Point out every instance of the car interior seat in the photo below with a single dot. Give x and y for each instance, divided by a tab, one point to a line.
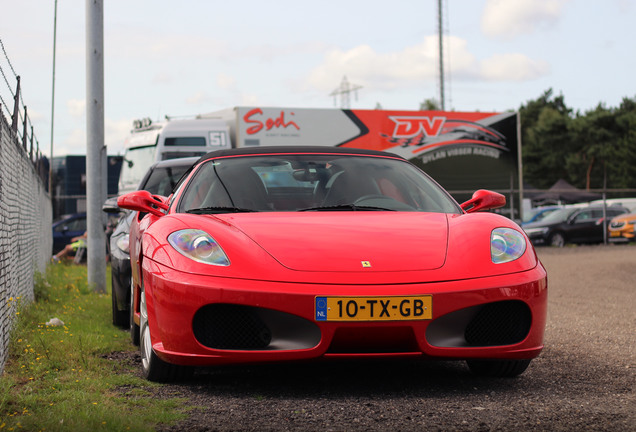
350	186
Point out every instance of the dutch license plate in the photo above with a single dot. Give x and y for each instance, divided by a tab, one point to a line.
387	308
615	234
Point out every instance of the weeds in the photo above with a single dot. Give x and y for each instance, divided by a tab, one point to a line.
59	377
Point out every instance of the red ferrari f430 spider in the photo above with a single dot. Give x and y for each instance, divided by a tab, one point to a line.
278	254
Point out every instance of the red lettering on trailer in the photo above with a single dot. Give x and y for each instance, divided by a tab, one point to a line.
269	124
410	126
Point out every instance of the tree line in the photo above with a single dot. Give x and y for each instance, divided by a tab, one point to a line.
591	150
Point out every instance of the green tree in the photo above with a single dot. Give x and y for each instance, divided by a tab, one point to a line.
605	147
594	137
622	171
546	139
430	104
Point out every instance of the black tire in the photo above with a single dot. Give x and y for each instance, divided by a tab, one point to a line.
557	240
498	368
134	328
120	318
153	368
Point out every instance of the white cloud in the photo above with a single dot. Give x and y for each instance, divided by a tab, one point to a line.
417	64
162	78
269	52
143	46
115	131
512	67
506	18
74	143
36	117
248	99
198	98
364	66
76	107
225	81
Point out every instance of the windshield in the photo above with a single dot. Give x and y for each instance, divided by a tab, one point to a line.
537	215
136	162
162	180
558	215
312	182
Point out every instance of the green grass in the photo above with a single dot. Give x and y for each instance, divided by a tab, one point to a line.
60	378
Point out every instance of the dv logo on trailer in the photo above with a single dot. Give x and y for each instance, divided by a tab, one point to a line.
411	126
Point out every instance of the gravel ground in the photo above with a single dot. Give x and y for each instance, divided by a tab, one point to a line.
584	379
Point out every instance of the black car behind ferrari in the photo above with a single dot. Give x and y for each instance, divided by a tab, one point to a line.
160	179
572	225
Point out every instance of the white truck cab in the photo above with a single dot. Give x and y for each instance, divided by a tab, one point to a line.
150	142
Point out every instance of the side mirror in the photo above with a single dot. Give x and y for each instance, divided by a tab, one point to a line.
144	202
484	200
110	206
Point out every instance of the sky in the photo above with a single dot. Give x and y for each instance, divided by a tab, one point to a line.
166	58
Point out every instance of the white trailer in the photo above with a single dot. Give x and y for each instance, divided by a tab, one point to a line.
463	151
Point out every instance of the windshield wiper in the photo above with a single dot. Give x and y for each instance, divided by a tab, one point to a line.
212	210
351	207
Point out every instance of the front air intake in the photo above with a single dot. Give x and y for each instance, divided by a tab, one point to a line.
500	323
229	326
225	326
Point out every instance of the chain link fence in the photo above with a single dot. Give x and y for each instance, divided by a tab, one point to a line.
25	228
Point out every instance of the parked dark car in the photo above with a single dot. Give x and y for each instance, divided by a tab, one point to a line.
572	225
159	180
67	227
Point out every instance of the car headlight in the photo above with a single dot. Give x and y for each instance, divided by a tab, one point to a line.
506	245
123	243
198	246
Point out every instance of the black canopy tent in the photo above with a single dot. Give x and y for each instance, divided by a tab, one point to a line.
563	192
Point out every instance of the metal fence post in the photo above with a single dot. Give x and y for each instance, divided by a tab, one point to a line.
24	129
31	150
16	107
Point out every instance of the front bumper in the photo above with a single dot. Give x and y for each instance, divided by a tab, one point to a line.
190	314
622	235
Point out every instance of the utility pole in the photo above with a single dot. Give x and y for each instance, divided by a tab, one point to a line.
95	175
53	101
344	91
440	32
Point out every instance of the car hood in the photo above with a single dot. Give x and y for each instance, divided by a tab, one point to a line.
348	241
340	247
624	217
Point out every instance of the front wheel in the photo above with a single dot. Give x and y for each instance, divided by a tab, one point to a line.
134	328
557	240
153	368
498	368
120	318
